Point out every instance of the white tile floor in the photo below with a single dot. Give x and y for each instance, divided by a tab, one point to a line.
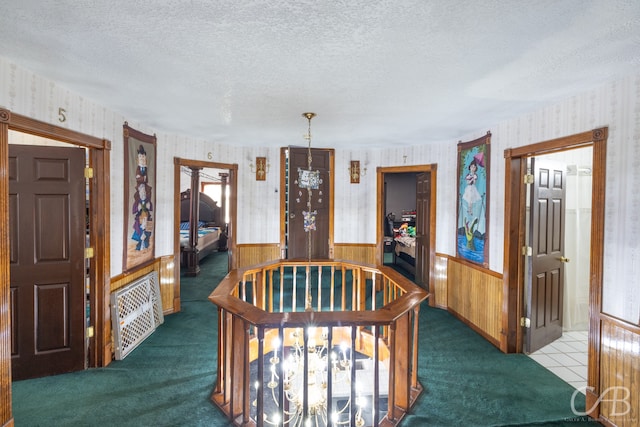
567	358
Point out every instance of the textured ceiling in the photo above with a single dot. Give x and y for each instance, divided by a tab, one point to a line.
376	72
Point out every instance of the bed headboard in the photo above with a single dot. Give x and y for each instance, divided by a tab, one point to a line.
209	211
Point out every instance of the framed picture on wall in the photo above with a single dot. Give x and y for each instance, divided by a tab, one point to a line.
472	237
139	197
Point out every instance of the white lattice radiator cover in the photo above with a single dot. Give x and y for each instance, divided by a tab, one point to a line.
136	311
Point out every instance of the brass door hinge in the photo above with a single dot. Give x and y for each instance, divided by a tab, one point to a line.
525	322
528	179
88	173
527	250
88	252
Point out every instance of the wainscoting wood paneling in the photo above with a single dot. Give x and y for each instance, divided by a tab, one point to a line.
257	253
440	282
252	254
165	268
169	290
620	372
124	279
474	295
364	253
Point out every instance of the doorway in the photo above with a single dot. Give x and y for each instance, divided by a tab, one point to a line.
563	352
515	226
23	128
400	215
572	258
229	209
423	195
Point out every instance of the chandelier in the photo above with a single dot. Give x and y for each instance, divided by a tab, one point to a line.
304	372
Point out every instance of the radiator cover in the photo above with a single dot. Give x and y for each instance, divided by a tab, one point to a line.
136	311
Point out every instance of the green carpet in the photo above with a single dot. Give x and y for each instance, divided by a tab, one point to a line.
168	379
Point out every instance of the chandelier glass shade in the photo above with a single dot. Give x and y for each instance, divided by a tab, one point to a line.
308	371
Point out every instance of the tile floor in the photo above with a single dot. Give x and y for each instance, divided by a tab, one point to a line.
567	358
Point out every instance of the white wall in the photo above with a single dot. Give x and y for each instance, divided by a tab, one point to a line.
616	105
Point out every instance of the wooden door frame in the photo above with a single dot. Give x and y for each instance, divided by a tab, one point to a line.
232	182
514	239
99	232
432	169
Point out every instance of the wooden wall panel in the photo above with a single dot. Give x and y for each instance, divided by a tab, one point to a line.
620	373
168	290
365	253
475	297
124	279
252	254
440	290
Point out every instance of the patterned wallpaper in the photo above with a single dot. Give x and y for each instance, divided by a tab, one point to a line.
615	104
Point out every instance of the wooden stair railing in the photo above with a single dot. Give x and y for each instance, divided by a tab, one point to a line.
372	308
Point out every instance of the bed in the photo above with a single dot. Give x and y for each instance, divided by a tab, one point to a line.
404	252
209	233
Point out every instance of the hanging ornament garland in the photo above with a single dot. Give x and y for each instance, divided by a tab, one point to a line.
309	179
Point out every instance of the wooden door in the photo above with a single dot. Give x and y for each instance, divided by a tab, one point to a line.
314	243
423	198
546	231
47	222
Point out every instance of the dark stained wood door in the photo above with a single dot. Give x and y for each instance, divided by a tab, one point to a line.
298	240
47	239
546	231
423	198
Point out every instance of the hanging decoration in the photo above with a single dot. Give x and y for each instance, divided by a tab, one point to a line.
310	180
309	220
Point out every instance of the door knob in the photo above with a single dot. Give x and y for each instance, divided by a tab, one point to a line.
563	259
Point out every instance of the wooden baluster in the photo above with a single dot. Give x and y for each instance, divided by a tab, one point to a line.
333	288
305	375
344	289
319	288
414	362
260	380
282	269
270	278
295	286
392	373
281	399
352	407
375	411
329	377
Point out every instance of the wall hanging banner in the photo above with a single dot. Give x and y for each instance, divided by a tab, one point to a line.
139	197
472	237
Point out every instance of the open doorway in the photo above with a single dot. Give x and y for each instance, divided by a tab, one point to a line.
400	220
559	340
423	195
204	197
515	251
214	187
95	222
